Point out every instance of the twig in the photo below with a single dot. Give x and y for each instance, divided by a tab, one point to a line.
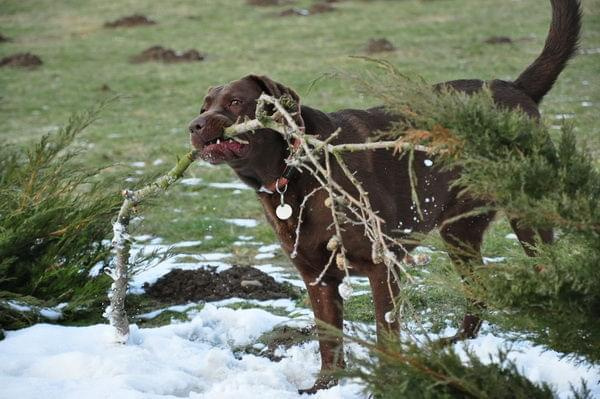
300	214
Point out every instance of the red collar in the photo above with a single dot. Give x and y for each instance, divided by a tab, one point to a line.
281	182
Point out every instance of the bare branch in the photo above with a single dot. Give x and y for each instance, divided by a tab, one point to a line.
121	243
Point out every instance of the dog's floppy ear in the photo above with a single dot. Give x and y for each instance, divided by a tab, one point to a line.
275	89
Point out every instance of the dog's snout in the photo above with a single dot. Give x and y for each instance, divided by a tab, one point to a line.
197	124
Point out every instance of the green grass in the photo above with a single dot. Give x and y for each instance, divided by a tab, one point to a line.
440	40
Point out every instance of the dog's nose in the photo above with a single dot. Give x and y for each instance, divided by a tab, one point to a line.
196	125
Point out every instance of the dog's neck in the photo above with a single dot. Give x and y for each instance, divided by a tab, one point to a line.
270	168
265	166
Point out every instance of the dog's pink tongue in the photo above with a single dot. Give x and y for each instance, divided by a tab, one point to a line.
233	146
224	147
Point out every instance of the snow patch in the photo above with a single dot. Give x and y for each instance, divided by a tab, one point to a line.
496	259
231	185
194	359
174	308
51	314
191	181
200	358
269	248
536	363
186	244
242	222
19	307
281	275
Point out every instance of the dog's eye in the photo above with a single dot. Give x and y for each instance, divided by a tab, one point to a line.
235	102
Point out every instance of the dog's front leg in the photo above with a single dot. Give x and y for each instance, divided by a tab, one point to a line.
328	309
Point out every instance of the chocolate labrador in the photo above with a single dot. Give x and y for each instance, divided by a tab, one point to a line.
259	159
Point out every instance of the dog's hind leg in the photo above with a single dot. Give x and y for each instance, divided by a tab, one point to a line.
385	289
527	236
463	239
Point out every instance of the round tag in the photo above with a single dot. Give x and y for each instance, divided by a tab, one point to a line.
283	212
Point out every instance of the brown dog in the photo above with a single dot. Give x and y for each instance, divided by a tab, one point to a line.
261	162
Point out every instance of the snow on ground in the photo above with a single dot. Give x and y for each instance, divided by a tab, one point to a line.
191	181
201	358
230	185
242	222
537	364
195	359
54	313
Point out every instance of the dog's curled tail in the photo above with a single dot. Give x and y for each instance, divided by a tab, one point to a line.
561	44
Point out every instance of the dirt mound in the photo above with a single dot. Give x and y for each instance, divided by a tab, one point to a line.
264	3
159	53
316	8
179	286
21	60
319	8
379	46
130	21
4	39
498	40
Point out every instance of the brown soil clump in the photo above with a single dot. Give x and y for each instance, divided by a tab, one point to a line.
130	21
319	8
379	46
265	3
316	8
180	286
498	40
21	60
4	39
161	54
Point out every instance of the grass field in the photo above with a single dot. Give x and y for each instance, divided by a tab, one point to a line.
85	62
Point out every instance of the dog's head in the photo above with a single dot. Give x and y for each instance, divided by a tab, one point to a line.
222	107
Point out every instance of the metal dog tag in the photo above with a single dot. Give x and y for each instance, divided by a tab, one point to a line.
283	211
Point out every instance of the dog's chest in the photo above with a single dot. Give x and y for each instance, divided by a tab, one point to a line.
309	240
284	229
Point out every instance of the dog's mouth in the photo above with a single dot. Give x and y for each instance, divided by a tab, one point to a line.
220	150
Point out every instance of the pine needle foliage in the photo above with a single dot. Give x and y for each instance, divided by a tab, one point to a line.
53	215
510	160
407	370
